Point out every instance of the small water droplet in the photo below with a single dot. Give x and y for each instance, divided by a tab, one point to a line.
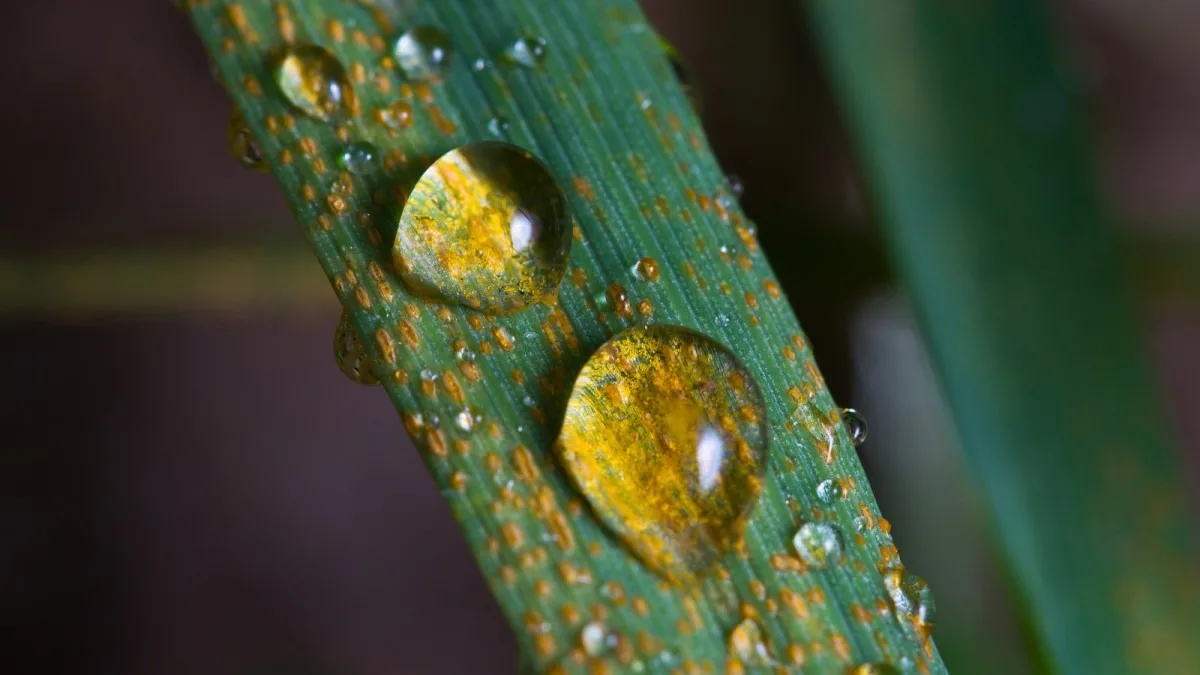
735	185
486	226
314	81
242	145
860	524
646	268
349	354
830	491
665	434
464	353
856	425
875	669
911	595
818	544
396	116
593	638
526	51
423	52
358	158
466	419
747	641
479	65
722	320
428	375
498	126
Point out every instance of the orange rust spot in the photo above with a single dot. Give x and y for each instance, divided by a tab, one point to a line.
794	602
386	347
364	300
408	333
513	535
584	188
436	440
503	338
458	481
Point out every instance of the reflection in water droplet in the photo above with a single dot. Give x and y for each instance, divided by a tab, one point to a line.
593	638
912	596
747	642
665	434
487	227
647	268
735	185
498	126
875	669
856	425
242	145
818	544
396	116
358	158
351	358
315	83
526	51
830	491
422	52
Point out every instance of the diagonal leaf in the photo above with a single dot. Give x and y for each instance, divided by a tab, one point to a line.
606	115
979	156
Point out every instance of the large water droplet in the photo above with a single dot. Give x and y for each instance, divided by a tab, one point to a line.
526	51
830	491
747	642
856	425
315	82
913	597
423	52
665	434
487	227
242	145
351	358
875	669
818	544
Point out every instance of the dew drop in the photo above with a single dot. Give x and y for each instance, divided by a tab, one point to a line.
486	226
856	425
747	642
498	126
818	544
242	145
911	595
351	358
423	52
313	81
526	51
358	158
830	491
396	116
593	638
467	419
875	669
665	435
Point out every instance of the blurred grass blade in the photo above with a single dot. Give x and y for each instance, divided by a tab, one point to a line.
605	114
979	158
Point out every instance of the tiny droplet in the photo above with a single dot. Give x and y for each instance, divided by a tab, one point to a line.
498	126
486	226
397	116
313	81
348	351
526	51
830	491
736	186
856	425
665	435
423	52
818	544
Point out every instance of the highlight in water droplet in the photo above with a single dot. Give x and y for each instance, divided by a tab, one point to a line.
423	52
314	81
747	642
912	596
358	158
856	425
526	51
349	354
818	544
830	491
665	434
242	144
397	115
593	638
486	226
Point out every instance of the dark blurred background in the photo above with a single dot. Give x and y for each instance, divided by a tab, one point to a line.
189	485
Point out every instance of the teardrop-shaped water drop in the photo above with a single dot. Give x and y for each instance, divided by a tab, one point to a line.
830	491
315	82
856	425
913	597
665	434
423	52
351	358
526	51
818	544
242	144
486	226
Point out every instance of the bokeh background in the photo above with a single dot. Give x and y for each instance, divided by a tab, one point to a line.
189	485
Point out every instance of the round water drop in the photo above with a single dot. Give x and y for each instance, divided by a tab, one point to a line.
911	595
665	434
818	544
242	145
397	115
747	642
830	491
313	81
526	51
875	669
856	425
487	227
423	52
348	351
593	638
358	158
